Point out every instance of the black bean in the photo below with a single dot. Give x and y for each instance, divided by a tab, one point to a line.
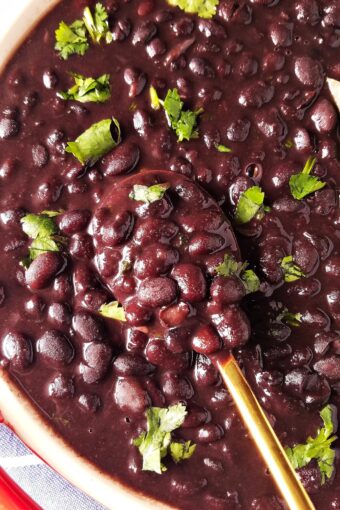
122	160
8	128
55	348
130	396
89	402
43	269
17	349
74	221
206	340
61	387
191	282
132	364
59	314
144	32
155	292
88	327
97	355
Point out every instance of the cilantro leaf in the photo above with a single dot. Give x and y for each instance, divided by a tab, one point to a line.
182	451
318	448
38	225
291	270
183	122
42	245
292	319
97	24
173	105
230	267
302	184
86	90
149	194
43	231
186	125
71	39
251	281
156	442
222	148
249	204
203	8
113	310
95	142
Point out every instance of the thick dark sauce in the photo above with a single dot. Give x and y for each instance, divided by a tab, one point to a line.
261	82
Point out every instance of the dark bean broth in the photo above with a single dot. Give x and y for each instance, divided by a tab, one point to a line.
258	69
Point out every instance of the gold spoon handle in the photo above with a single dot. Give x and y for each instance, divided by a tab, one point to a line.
264	436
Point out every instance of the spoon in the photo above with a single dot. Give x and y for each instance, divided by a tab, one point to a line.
248	406
264	436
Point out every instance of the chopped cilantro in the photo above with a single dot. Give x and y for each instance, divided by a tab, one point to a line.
97	24
250	280
156	442
291	270
71	39
38	225
302	184
230	267
96	141
203	8
222	148
318	448
182	451
113	310
183	122
43	231
86	90
148	194
249	205
292	319
289	144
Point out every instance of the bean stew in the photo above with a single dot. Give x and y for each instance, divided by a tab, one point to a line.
169	190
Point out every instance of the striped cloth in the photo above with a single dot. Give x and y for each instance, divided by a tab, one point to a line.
46	487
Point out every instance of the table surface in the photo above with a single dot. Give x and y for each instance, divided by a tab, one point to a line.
50	490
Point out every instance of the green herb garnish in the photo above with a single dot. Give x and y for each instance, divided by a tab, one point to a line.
87	90
183	122
318	448
288	144
250	280
302	184
43	231
250	204
291	270
155	101
292	319
203	8
71	39
222	148
156	443
230	267
97	24
96	141
113	310
149	194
